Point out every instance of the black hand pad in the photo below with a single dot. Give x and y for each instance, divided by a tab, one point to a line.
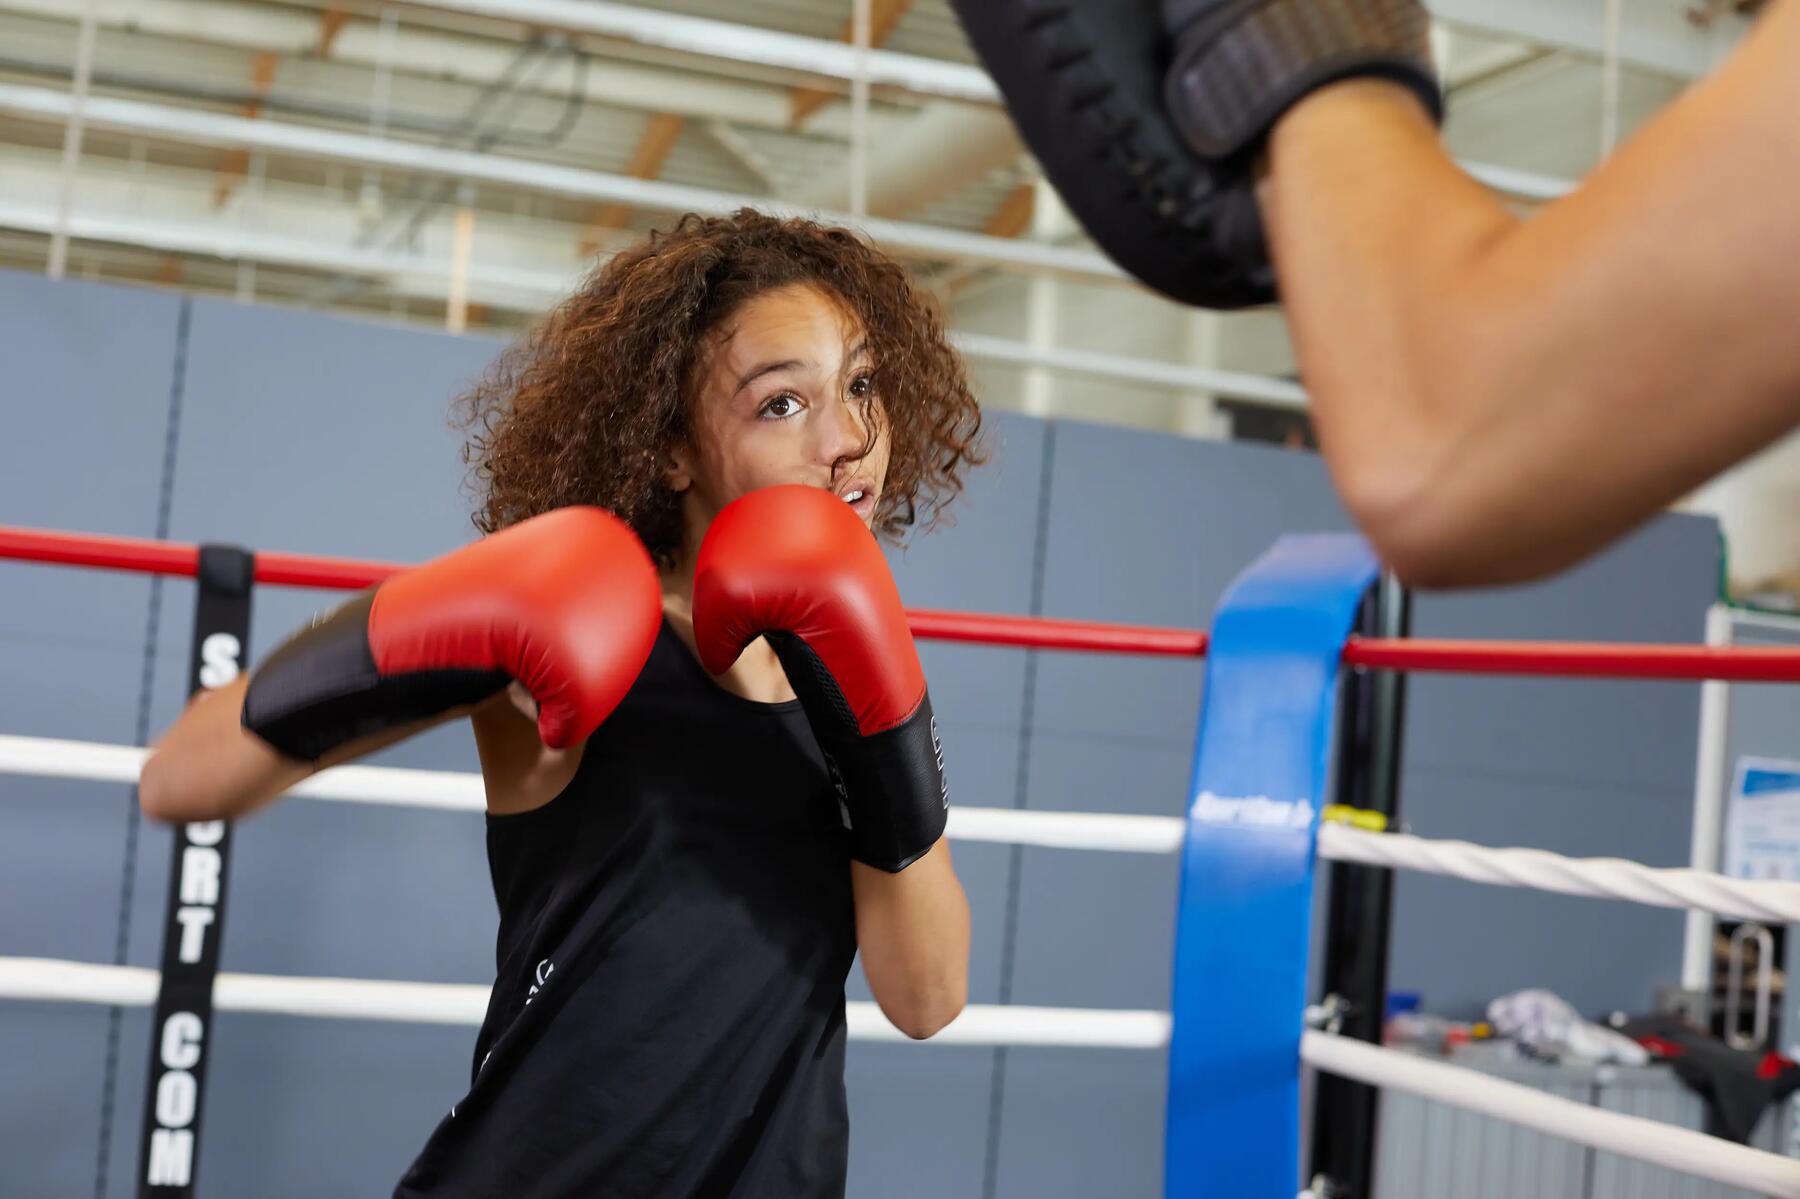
1084	80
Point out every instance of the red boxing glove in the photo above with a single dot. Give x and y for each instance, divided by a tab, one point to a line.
568	603
795	564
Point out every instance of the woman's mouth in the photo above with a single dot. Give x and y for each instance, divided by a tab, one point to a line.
861	498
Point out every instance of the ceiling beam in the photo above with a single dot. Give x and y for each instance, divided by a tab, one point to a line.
659	137
733	42
235	162
448	56
737	147
1013	216
1011	219
207	128
884	16
1656	37
419	276
331	23
941	149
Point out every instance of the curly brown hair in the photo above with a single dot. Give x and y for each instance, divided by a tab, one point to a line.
585	408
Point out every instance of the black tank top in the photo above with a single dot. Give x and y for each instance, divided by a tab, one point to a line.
675	930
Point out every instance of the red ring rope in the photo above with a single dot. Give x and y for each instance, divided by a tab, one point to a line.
1566	658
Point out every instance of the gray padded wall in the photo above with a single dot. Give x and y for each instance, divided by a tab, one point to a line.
86	400
319	435
920	1114
302	432
1580	766
1144	529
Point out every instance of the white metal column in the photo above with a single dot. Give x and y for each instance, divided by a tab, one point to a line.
1042	297
1197	413
862	33
72	128
1709	804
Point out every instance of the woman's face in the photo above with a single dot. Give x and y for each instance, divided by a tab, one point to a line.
786	395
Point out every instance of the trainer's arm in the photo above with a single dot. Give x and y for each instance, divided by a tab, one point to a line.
209	767
1497	398
913	930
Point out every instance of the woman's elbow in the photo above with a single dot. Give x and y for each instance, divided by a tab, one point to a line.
924	1030
1434	536
152	789
924	1016
168	795
1422	553
159	797
1425	526
1448	494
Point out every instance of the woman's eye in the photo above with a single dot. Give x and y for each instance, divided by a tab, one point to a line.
781	406
862	386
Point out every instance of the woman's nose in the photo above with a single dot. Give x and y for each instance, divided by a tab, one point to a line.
843	435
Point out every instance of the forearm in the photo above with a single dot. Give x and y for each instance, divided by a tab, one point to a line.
1373	230
207	766
1497	397
1380	243
913	931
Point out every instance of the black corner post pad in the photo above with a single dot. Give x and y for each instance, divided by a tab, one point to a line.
194	913
1371	720
226	569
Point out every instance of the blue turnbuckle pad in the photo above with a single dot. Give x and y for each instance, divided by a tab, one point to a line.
1243	921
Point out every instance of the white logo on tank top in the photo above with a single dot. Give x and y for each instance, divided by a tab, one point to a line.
540	975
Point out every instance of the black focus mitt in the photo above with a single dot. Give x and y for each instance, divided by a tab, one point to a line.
1147	115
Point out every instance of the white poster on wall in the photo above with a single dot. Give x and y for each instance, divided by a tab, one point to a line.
1762	825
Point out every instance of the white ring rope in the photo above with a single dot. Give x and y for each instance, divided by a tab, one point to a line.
1607	878
1005	1024
1631	1136
460	791
54	980
45	979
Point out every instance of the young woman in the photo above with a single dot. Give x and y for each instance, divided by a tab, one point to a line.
686	861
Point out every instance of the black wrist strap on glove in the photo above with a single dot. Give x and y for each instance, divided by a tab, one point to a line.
1239	64
320	689
890	784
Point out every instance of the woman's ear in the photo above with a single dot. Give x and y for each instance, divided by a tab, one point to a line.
678	468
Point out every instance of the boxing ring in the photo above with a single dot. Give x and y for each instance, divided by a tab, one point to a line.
1302	712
